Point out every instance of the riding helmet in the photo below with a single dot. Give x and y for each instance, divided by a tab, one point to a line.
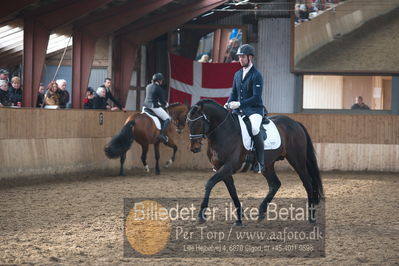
246	49
157	76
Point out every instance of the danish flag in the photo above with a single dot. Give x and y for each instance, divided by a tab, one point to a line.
191	81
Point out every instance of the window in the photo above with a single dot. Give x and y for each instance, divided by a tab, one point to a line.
340	92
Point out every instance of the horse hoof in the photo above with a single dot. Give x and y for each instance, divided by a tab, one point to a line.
147	169
121	174
201	220
261	218
168	163
238	223
312	221
157	172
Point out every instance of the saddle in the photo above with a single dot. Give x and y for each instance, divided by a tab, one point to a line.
158	121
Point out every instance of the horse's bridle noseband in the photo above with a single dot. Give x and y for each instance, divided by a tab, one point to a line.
199	136
205	118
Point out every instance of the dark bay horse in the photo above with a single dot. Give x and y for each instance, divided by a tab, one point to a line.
141	127
226	152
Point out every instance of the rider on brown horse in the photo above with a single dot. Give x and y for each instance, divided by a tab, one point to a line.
247	96
154	100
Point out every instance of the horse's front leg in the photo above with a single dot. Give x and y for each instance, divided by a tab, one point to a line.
224	172
171	144
156	151
229	182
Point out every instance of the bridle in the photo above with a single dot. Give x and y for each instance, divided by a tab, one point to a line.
204	134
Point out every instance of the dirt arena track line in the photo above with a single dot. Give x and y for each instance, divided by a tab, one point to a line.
79	218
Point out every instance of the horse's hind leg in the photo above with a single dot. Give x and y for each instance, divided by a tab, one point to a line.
123	158
233	194
274	184
299	164
144	150
171	144
156	151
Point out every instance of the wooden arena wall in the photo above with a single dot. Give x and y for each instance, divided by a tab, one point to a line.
37	142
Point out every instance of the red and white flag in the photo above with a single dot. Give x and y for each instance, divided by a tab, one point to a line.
191	81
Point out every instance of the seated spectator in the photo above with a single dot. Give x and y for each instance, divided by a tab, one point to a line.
204	59
100	100
108	95
40	96
15	91
52	97
88	101
63	92
4	96
359	104
306	9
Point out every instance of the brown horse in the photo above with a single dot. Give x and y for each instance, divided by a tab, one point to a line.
141	127
226	152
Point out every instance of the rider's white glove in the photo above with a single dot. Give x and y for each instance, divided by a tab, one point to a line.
166	105
226	106
234	105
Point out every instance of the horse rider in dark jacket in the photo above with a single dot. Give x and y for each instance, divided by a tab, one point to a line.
247	96
154	100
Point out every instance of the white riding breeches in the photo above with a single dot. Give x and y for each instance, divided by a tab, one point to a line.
161	113
256	121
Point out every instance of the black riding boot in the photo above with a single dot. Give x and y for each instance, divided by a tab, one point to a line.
162	135
259	152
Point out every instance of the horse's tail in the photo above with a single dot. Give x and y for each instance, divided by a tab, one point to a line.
313	168
121	142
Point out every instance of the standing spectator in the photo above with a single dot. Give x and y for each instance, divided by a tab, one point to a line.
4	74
63	92
15	91
359	104
52	97
108	85
40	96
88	101
4	96
231	52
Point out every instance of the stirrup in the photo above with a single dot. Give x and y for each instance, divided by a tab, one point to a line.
258	168
163	138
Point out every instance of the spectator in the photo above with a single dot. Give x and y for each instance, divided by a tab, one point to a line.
100	99
4	96
231	52
204	59
52	97
108	95
63	92
88	101
15	91
4	74
40	96
359	104
306	9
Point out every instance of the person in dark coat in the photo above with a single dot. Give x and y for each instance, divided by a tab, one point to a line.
4	96
63	92
108	85
100	99
40	96
246	95
15	91
154	100
88	101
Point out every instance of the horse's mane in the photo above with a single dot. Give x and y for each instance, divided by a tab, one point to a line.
201	102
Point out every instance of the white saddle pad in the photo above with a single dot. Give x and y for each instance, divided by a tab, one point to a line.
154	118
272	142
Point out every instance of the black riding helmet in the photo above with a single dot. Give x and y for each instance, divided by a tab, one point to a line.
246	49
157	77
